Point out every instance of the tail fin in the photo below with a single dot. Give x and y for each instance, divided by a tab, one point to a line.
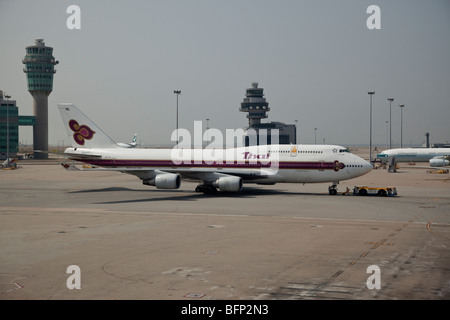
133	142
83	133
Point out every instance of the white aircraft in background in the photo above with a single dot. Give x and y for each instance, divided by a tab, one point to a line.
440	161
158	167
131	144
437	157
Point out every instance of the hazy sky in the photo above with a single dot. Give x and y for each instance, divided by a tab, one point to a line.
316	61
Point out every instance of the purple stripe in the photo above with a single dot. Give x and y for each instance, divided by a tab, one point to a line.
236	164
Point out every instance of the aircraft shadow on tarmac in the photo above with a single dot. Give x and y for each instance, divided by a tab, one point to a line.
186	195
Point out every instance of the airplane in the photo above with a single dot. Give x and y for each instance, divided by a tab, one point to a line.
131	144
226	170
433	155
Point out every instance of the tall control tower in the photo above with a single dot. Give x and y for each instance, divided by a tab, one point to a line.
255	104
40	67
257	107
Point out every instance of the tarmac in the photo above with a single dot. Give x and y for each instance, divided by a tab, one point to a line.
282	242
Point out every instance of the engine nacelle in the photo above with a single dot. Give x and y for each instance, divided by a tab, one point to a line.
439	162
232	184
164	181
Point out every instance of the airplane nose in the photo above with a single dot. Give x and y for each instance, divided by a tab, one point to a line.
367	167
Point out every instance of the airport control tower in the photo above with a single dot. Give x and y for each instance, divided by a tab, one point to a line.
255	104
257	107
40	67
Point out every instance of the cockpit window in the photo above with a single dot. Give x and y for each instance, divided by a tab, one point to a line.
344	150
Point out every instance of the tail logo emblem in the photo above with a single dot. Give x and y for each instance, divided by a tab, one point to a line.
81	132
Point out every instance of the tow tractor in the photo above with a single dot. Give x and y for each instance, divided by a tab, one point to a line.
375	191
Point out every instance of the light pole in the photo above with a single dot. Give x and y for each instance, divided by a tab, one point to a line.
315	135
390	122
401	124
387	135
177	92
371	93
7	131
207	128
296	123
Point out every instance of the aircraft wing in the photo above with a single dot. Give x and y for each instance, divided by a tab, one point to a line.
80	156
211	174
73	156
205	174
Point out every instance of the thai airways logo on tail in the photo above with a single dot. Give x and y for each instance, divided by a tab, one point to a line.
81	132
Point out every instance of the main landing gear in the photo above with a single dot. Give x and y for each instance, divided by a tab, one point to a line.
332	190
206	189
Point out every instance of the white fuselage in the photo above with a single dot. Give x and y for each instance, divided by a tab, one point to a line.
259	164
413	154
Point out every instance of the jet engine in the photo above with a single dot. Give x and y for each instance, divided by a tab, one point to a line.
164	181
232	184
440	161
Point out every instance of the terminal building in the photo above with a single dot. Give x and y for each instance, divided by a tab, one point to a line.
9	126
256	107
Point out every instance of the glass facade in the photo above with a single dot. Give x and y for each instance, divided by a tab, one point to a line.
27	120
9	127
255	104
10	121
39	67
